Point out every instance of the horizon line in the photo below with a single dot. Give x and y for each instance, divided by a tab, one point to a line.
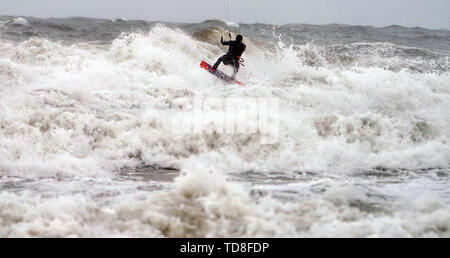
220	20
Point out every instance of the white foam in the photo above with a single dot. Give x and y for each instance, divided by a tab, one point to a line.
232	23
20	21
82	111
204	204
87	105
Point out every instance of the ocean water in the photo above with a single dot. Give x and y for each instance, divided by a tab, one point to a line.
90	148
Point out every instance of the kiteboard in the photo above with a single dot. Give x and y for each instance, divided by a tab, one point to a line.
218	73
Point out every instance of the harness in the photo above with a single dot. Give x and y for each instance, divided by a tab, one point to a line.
241	61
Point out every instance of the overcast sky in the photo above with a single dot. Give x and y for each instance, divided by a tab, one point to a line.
424	13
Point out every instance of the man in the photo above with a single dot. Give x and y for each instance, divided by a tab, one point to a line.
233	56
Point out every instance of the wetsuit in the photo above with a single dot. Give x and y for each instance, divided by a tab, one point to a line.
232	56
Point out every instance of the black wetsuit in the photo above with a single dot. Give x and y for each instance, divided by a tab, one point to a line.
232	57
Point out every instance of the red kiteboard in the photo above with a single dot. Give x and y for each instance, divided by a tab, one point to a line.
219	74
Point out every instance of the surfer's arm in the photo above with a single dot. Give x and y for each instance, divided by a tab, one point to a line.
225	43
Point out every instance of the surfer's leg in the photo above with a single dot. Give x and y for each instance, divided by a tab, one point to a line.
236	70
216	65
